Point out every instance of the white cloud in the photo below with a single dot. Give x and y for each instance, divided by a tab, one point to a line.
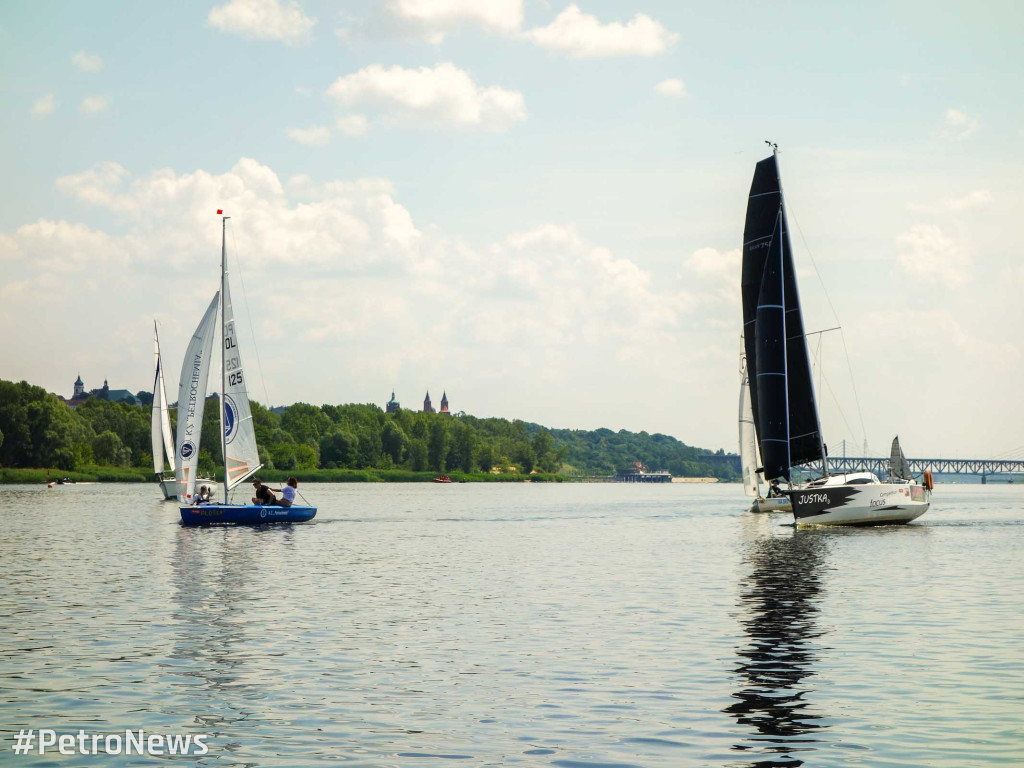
87	62
673	88
979	198
927	254
443	96
959	125
582	36
44	105
60	246
435	18
344	227
93	105
316	136
263	20
352	125
98	186
710	262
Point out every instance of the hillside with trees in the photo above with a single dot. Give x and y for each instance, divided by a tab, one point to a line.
38	429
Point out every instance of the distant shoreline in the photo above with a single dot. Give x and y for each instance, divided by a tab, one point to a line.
30	476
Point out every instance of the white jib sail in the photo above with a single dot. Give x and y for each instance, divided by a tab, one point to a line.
195	371
748	443
241	456
163	441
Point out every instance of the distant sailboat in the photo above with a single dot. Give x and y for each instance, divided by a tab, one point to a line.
782	396
238	435
753	482
160	429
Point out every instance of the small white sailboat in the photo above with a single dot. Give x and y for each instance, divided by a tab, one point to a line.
785	413
164	451
753	482
238	434
160	429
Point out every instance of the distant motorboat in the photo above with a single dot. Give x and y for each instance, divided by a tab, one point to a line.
442	479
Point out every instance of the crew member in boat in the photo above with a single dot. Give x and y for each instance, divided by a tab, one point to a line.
202	497
264	496
287	492
775	492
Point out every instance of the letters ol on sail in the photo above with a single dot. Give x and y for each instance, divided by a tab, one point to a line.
195	371
241	455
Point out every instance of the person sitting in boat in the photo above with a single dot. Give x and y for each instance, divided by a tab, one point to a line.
264	496
202	497
287	492
775	492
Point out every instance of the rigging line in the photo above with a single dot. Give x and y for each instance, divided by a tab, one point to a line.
842	336
823	378
248	314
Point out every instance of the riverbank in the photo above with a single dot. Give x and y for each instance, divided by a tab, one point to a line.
141	475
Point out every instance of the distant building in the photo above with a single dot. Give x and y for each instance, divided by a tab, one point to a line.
444	404
427	407
393	405
79	395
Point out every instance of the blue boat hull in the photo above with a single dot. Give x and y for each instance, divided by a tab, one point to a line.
244	514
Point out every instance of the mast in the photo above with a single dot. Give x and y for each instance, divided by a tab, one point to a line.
796	296
223	352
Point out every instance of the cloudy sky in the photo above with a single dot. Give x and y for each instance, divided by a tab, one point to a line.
536	206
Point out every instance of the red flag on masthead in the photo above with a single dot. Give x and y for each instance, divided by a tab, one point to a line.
219	211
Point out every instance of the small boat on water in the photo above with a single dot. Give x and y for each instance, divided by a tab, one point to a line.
160	431
785	413
442	478
238	435
753	482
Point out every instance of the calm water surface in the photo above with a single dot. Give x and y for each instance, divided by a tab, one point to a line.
562	625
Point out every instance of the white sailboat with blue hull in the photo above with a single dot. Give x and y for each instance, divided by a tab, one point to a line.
238	435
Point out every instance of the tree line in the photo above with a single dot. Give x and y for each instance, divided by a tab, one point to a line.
38	429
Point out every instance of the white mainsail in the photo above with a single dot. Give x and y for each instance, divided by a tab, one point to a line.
195	371
748	443
160	427
241	456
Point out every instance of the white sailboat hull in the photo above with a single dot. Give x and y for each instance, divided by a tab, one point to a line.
867	504
775	504
169	486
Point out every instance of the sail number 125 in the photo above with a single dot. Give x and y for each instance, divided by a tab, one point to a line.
235	379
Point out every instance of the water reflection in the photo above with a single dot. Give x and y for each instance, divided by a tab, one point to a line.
779	603
219	676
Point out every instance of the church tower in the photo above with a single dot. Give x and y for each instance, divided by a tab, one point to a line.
79	387
427	407
444	404
393	405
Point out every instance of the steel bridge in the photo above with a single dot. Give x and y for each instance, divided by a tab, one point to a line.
983	467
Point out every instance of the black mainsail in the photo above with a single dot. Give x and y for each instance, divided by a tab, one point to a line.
781	393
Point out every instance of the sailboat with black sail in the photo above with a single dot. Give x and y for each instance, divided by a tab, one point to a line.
785	413
238	435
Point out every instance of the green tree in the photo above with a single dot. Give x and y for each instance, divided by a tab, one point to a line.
394	441
418	454
338	449
437	445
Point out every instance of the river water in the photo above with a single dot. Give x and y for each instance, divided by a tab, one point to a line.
562	625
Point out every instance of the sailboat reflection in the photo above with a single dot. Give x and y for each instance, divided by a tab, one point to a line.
219	676
779	604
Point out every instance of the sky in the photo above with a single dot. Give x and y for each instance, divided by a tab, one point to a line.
536	207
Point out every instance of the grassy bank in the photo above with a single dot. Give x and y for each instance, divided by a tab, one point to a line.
142	475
